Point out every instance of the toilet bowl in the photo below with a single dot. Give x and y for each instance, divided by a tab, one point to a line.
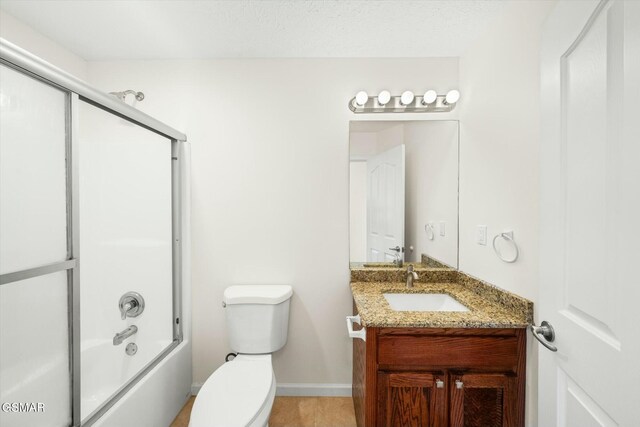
238	394
241	392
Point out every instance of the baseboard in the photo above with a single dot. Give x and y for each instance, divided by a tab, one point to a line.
195	388
301	389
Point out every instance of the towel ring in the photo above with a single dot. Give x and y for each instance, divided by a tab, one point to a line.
508	236
429	229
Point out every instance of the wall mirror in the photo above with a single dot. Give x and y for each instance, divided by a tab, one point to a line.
403	192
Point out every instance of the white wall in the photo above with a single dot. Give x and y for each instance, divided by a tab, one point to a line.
390	137
499	134
27	38
362	145
432	189
357	211
270	189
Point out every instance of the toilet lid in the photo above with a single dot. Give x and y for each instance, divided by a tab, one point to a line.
234	394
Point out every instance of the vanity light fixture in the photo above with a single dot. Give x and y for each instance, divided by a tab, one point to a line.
361	98
384	97
385	102
452	97
429	97
407	97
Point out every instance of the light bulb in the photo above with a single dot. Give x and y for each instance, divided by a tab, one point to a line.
429	97
384	97
452	97
361	98
406	98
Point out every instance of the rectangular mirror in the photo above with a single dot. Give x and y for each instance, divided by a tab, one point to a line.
403	192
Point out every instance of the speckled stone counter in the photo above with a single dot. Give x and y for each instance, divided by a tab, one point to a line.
427	261
360	273
489	306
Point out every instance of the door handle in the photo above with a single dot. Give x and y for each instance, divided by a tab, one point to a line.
545	330
397	249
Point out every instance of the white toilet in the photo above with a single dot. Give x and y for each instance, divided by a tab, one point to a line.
241	392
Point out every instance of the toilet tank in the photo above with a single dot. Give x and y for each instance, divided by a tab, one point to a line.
257	317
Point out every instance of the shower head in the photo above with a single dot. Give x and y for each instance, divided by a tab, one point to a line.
123	95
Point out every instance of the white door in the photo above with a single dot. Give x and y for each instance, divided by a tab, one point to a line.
590	215
385	205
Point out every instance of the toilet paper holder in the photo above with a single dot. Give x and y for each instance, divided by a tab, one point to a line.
362	333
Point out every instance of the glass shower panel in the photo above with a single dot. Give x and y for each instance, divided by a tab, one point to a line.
125	245
33	221
34	356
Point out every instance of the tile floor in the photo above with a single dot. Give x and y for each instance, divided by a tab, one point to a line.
297	412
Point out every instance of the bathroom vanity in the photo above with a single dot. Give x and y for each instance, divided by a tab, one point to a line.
438	368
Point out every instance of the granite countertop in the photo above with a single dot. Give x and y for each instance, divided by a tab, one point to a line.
489	307
387	273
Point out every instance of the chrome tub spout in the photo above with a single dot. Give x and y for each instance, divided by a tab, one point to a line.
117	340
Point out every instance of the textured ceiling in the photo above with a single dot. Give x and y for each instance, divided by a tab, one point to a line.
105	30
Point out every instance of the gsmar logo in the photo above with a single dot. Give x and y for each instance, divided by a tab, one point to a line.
22	407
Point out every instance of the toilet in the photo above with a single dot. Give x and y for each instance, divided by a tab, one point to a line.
241	392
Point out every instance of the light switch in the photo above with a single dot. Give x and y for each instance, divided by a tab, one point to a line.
442	228
481	235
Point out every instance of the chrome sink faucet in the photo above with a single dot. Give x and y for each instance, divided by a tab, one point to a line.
411	276
117	340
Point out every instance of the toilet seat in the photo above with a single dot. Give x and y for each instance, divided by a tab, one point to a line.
239	393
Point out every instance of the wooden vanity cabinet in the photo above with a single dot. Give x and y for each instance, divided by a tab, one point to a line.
411	398
439	377
484	400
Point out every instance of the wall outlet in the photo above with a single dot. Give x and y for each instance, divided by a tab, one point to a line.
481	235
442	228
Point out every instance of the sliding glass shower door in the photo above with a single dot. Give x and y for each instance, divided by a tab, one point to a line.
90	246
125	249
35	356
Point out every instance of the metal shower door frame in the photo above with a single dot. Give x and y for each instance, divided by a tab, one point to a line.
76	92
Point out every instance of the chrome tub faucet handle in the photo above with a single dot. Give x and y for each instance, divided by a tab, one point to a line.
131	305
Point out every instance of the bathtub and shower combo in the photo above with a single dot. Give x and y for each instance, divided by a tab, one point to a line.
94	313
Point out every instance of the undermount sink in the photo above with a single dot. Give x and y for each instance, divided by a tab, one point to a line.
423	302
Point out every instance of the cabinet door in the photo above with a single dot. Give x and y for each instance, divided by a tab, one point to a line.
408	399
483	400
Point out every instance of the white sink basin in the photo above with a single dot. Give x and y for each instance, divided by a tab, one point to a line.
423	302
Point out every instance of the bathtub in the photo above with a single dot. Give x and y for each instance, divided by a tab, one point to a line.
106	368
158	397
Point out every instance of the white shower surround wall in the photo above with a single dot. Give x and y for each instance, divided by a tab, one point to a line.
125	245
162	392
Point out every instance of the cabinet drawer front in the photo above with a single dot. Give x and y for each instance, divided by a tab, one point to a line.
495	353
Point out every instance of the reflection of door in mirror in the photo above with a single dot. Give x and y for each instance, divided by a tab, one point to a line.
385	205
426	226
